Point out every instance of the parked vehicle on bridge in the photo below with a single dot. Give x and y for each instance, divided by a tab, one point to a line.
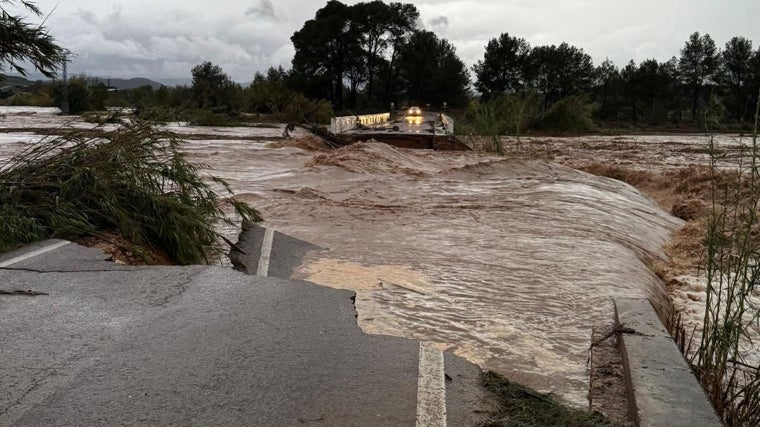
414	111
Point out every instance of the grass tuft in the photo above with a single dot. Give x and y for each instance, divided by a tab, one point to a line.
133	181
524	407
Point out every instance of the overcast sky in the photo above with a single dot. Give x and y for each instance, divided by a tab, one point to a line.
166	38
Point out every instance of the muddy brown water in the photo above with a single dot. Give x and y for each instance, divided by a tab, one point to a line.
508	263
505	262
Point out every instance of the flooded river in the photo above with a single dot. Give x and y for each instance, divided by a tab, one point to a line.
506	262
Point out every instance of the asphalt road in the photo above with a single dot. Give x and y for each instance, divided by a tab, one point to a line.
88	342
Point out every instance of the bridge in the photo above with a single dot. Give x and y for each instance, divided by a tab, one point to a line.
428	130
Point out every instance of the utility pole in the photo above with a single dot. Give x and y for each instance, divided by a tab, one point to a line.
65	101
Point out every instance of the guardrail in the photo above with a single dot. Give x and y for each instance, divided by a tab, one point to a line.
448	124
342	124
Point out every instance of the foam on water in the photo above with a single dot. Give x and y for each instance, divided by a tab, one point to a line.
518	259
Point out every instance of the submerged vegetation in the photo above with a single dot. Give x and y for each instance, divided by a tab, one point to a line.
133	181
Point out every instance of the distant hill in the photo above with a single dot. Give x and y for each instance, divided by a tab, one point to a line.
14	80
125	83
112	82
177	82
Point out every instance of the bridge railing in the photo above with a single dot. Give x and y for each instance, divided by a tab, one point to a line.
448	124
346	123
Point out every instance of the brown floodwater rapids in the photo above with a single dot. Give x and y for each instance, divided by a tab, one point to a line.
506	262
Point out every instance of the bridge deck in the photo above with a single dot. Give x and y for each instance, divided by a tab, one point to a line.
430	130
426	124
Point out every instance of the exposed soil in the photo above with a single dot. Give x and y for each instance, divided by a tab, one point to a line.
124	252
311	143
608	394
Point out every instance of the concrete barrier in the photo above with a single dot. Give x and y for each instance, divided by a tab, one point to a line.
346	123
662	390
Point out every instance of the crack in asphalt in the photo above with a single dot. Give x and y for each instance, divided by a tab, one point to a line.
181	286
35	384
112	270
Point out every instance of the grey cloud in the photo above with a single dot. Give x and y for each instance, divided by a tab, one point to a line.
167	38
439	24
86	16
176	42
264	9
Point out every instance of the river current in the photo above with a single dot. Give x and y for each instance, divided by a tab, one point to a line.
506	262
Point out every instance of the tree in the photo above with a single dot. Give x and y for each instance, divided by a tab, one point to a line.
324	46
753	83
670	70
77	94
374	21
432	72
698	64
653	83
269	93
607	75
559	71
212	88
354	45
98	93
737	70
501	70
629	76
21	41
403	23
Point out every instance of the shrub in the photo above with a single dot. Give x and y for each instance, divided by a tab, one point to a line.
507	115
570	114
34	100
133	181
301	109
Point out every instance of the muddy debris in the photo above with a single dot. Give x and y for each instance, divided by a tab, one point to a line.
310	143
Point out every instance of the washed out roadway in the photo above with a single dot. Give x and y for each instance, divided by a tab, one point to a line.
104	344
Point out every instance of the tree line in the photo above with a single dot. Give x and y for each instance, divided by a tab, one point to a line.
703	77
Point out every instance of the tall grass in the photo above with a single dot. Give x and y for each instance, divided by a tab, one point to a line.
506	115
133	181
520	406
486	122
727	359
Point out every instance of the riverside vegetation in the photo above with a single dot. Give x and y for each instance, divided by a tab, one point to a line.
132	181
726	359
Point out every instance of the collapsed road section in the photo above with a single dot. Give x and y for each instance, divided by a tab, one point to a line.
92	342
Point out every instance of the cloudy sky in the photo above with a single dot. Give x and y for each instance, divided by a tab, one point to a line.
166	38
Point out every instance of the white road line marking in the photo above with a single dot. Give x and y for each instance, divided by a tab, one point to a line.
431	388
33	254
266	251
